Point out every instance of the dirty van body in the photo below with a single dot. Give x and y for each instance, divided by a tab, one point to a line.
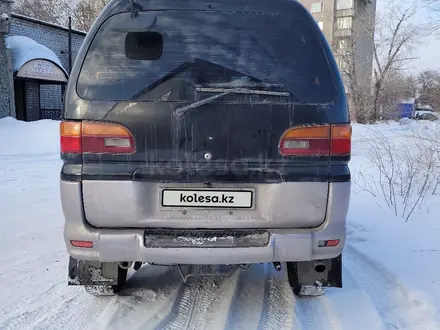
205	133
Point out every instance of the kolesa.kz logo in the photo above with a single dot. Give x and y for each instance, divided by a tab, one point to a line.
184	198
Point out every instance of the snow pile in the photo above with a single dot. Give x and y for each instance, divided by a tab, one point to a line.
28	138
25	49
406	253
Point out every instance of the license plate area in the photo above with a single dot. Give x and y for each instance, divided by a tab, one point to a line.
208	198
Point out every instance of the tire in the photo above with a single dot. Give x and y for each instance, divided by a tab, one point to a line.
108	290
122	277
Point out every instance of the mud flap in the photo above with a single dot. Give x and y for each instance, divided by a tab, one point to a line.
82	272
323	273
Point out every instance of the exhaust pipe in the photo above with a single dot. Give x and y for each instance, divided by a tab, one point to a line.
125	264
320	268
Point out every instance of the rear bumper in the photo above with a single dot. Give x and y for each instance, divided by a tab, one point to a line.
110	245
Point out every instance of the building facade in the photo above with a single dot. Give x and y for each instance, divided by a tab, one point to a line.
34	65
349	28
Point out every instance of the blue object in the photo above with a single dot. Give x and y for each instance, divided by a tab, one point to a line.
406	109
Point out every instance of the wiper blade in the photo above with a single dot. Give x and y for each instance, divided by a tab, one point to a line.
240	90
179	112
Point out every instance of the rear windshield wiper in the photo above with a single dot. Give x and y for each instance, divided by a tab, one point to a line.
179	112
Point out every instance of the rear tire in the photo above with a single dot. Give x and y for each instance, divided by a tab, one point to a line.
108	290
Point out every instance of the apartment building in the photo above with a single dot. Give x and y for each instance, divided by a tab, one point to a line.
349	28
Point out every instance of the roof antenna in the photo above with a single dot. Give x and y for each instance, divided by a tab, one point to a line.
134	7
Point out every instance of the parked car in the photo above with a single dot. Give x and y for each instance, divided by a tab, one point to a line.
426	115
205	133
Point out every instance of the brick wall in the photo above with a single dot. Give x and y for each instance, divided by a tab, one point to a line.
4	81
5	78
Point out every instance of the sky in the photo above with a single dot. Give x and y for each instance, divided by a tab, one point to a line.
428	52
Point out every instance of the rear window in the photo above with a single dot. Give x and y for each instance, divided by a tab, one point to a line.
126	59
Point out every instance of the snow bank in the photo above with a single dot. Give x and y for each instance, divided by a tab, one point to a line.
25	49
408	251
28	138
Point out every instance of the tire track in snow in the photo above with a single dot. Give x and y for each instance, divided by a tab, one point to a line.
247	303
145	300
182	310
41	313
14	316
397	306
195	299
279	301
217	316
313	314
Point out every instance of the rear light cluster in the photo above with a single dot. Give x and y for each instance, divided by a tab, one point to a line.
322	140
95	137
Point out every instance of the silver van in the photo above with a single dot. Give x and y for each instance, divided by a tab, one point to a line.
208	133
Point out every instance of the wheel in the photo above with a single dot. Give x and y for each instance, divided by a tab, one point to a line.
108	290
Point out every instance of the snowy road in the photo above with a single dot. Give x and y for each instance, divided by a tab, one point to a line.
34	294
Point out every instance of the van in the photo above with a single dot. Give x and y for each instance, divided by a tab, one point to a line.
209	133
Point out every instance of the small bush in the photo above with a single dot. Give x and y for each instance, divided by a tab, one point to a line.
402	173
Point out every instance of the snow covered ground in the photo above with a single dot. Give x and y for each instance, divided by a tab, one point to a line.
391	267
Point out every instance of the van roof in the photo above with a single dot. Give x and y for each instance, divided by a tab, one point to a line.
272	7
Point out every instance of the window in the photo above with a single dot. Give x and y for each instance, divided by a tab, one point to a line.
344	22
317	7
344	4
342	44
321	25
203	48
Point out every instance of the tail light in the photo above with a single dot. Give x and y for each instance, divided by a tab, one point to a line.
322	140
341	140
99	138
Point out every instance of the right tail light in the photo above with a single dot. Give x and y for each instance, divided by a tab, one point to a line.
321	140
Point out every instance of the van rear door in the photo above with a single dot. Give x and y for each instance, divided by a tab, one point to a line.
209	106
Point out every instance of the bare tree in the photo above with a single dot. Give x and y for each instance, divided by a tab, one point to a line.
429	88
397	87
53	11
394	35
86	12
395	38
427	80
434	11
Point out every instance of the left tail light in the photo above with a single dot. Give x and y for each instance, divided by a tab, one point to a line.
95	138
